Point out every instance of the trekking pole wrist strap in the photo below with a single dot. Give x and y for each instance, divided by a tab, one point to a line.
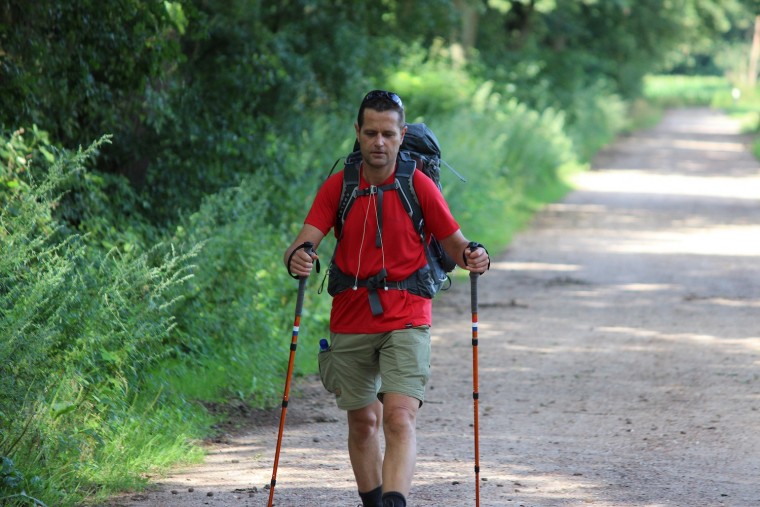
472	246
308	246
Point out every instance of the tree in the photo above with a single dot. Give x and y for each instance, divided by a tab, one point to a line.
563	46
754	54
83	68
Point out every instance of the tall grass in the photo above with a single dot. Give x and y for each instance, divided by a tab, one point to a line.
78	328
514	158
234	318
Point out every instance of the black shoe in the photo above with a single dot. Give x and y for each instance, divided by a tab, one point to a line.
393	499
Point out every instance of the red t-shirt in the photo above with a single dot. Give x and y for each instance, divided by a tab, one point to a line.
402	253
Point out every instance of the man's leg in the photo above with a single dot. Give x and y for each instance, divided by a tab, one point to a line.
399	426
364	445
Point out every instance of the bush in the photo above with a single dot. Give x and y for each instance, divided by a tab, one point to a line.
234	321
80	326
514	159
594	118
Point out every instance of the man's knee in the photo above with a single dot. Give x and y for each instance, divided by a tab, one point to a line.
400	418
364	423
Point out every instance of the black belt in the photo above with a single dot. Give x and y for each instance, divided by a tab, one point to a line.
340	281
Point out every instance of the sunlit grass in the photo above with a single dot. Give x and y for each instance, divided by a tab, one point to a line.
740	101
680	91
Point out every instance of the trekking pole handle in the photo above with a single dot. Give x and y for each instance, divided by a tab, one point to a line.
472	246
308	247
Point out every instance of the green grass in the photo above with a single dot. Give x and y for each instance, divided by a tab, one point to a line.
157	433
681	91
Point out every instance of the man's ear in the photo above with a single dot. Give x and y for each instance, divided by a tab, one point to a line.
403	132
357	129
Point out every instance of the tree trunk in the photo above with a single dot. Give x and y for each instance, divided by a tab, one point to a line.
469	31
754	55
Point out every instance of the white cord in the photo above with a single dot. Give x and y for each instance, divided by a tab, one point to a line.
364	233
373	205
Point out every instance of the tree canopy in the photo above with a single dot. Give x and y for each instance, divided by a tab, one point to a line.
195	92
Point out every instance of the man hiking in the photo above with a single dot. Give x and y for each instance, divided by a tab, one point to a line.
378	362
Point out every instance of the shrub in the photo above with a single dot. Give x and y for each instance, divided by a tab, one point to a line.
513	157
79	325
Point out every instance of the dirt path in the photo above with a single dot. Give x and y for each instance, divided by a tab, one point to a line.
619	354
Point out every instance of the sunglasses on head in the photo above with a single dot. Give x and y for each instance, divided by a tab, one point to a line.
374	94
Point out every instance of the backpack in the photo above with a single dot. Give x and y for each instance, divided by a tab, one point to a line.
421	151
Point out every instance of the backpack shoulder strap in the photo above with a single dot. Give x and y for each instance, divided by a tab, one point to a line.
348	194
405	176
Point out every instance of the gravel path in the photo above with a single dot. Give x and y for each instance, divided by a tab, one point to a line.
619	354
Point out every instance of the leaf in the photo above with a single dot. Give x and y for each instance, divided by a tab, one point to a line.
109	356
62	408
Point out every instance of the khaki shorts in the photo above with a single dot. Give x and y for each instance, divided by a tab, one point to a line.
360	368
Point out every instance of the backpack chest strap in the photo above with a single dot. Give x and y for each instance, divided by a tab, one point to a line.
379	191
402	183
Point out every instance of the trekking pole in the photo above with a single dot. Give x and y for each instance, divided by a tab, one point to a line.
474	307
309	249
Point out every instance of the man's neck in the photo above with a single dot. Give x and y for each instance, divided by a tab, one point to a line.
377	175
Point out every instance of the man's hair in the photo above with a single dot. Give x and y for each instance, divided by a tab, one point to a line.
381	100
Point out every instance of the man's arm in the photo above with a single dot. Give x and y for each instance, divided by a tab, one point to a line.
457	246
301	263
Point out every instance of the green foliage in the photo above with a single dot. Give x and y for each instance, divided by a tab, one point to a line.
432	82
81	68
16	154
233	318
514	158
554	50
642	114
255	76
79	326
199	94
716	41
594	117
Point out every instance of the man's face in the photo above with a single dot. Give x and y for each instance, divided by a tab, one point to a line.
380	138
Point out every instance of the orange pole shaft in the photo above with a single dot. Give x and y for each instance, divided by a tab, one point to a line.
475	393
286	393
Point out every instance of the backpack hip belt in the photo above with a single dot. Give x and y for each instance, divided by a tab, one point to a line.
420	283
